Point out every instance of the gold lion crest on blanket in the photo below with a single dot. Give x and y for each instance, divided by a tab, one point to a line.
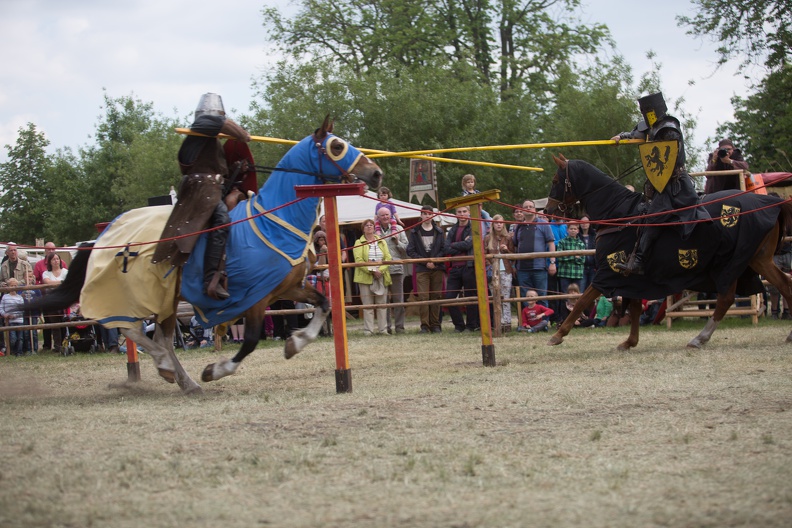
620	257
729	216
688	258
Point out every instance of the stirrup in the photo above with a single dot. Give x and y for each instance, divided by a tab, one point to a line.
214	289
633	265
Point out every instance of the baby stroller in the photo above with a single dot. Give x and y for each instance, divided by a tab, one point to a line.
79	338
182	335
199	336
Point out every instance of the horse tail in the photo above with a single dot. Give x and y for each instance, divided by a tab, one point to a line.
69	290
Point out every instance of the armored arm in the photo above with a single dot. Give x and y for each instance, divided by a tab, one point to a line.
235	131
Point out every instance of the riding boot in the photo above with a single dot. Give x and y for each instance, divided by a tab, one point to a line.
213	260
634	264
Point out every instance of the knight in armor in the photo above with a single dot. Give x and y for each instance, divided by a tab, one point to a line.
678	193
207	179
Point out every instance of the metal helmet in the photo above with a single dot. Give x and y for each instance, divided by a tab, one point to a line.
210	104
653	108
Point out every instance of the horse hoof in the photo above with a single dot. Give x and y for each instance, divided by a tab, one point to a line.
623	347
194	391
694	344
167	375
208	373
290	350
789	338
555	340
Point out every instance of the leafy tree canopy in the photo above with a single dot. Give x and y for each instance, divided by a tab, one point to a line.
763	124
752	31
24	189
508	44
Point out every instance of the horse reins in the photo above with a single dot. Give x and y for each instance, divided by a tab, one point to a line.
568	184
326	178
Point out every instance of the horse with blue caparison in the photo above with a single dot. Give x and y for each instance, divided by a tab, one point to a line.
268	256
725	254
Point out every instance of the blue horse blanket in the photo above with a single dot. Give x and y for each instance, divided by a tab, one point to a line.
270	236
262	250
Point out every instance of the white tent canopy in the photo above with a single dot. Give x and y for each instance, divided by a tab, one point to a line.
355	209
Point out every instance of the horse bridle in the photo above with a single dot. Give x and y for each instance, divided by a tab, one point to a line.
562	204
344	177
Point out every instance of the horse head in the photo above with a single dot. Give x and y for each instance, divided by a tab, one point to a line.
361	170
561	196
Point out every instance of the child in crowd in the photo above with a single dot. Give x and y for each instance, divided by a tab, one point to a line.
583	321
649	310
11	311
535	316
30	341
469	187
604	310
385	200
570	267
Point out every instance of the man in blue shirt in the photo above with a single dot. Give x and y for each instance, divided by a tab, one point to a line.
534	236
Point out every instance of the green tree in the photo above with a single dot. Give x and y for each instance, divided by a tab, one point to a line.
763	123
24	190
748	30
133	158
596	104
71	198
404	108
509	44
752	32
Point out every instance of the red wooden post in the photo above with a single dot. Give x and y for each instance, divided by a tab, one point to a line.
133	364
329	192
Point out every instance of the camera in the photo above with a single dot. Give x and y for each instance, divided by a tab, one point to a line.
722	153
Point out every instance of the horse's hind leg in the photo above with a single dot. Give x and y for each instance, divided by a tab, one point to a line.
721	307
165	360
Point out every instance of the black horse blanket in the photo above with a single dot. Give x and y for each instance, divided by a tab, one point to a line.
710	260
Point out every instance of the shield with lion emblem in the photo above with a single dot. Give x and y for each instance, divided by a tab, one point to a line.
726	219
659	159
620	257
688	258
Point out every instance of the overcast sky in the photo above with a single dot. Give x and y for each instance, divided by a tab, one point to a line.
60	54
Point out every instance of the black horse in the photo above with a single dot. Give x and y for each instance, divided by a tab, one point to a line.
725	254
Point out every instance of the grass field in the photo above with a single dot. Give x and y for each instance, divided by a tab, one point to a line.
575	435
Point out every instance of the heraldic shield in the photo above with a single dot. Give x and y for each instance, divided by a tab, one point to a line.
730	215
659	159
688	258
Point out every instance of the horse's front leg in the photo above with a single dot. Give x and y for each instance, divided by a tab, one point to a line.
582	303
301	338
721	307
635	326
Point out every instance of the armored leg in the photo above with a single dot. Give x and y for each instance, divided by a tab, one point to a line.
215	254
